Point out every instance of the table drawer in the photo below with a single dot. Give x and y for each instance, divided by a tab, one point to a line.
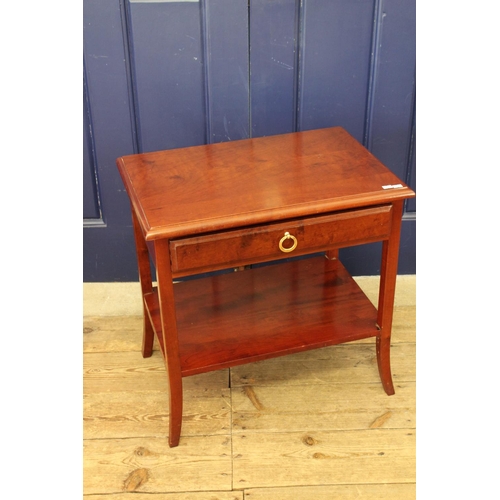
274	241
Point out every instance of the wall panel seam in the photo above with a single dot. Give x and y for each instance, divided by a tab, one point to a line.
93	155
373	71
205	49
125	16
296	75
301	30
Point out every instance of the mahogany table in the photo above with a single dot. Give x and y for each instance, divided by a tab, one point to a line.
229	205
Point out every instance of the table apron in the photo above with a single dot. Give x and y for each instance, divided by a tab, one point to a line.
280	240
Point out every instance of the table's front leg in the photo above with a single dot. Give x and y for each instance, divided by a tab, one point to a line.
146	285
170	338
388	273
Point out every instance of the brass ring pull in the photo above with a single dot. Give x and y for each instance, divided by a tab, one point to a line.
288	236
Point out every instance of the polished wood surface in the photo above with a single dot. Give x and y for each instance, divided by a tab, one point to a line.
274	310
232	204
261	244
219	186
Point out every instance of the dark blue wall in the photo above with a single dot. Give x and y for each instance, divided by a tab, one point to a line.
162	75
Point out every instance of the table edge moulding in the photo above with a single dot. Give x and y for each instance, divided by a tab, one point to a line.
229	206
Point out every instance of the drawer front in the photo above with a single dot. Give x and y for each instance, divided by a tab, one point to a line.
275	241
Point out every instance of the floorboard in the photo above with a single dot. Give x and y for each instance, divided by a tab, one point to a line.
315	424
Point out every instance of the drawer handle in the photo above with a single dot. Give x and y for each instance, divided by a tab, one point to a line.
288	236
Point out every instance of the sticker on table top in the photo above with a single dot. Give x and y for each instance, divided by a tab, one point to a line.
392	186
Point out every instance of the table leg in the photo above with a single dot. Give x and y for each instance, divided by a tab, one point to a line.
146	285
332	254
170	338
388	273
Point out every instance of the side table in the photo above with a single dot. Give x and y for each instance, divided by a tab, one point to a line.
229	205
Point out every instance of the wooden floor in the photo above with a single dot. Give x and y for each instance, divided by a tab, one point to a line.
314	425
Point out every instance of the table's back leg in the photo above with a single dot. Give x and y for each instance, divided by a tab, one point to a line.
388	273
146	285
170	338
332	254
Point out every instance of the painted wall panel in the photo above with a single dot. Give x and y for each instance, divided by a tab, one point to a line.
164	74
391	108
335	64
108	88
273	66
364	260
90	200
227	81
105	255
390	127
167	74
411	205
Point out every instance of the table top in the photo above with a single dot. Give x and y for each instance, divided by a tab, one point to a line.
220	186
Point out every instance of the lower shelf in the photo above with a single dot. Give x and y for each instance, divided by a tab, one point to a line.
265	312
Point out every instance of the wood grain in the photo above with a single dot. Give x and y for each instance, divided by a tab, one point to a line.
118	371
125	408
202	207
135	414
322	407
112	333
269	311
123	333
340	492
150	465
205	495
343	364
289	174
317	457
127	396
251	245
